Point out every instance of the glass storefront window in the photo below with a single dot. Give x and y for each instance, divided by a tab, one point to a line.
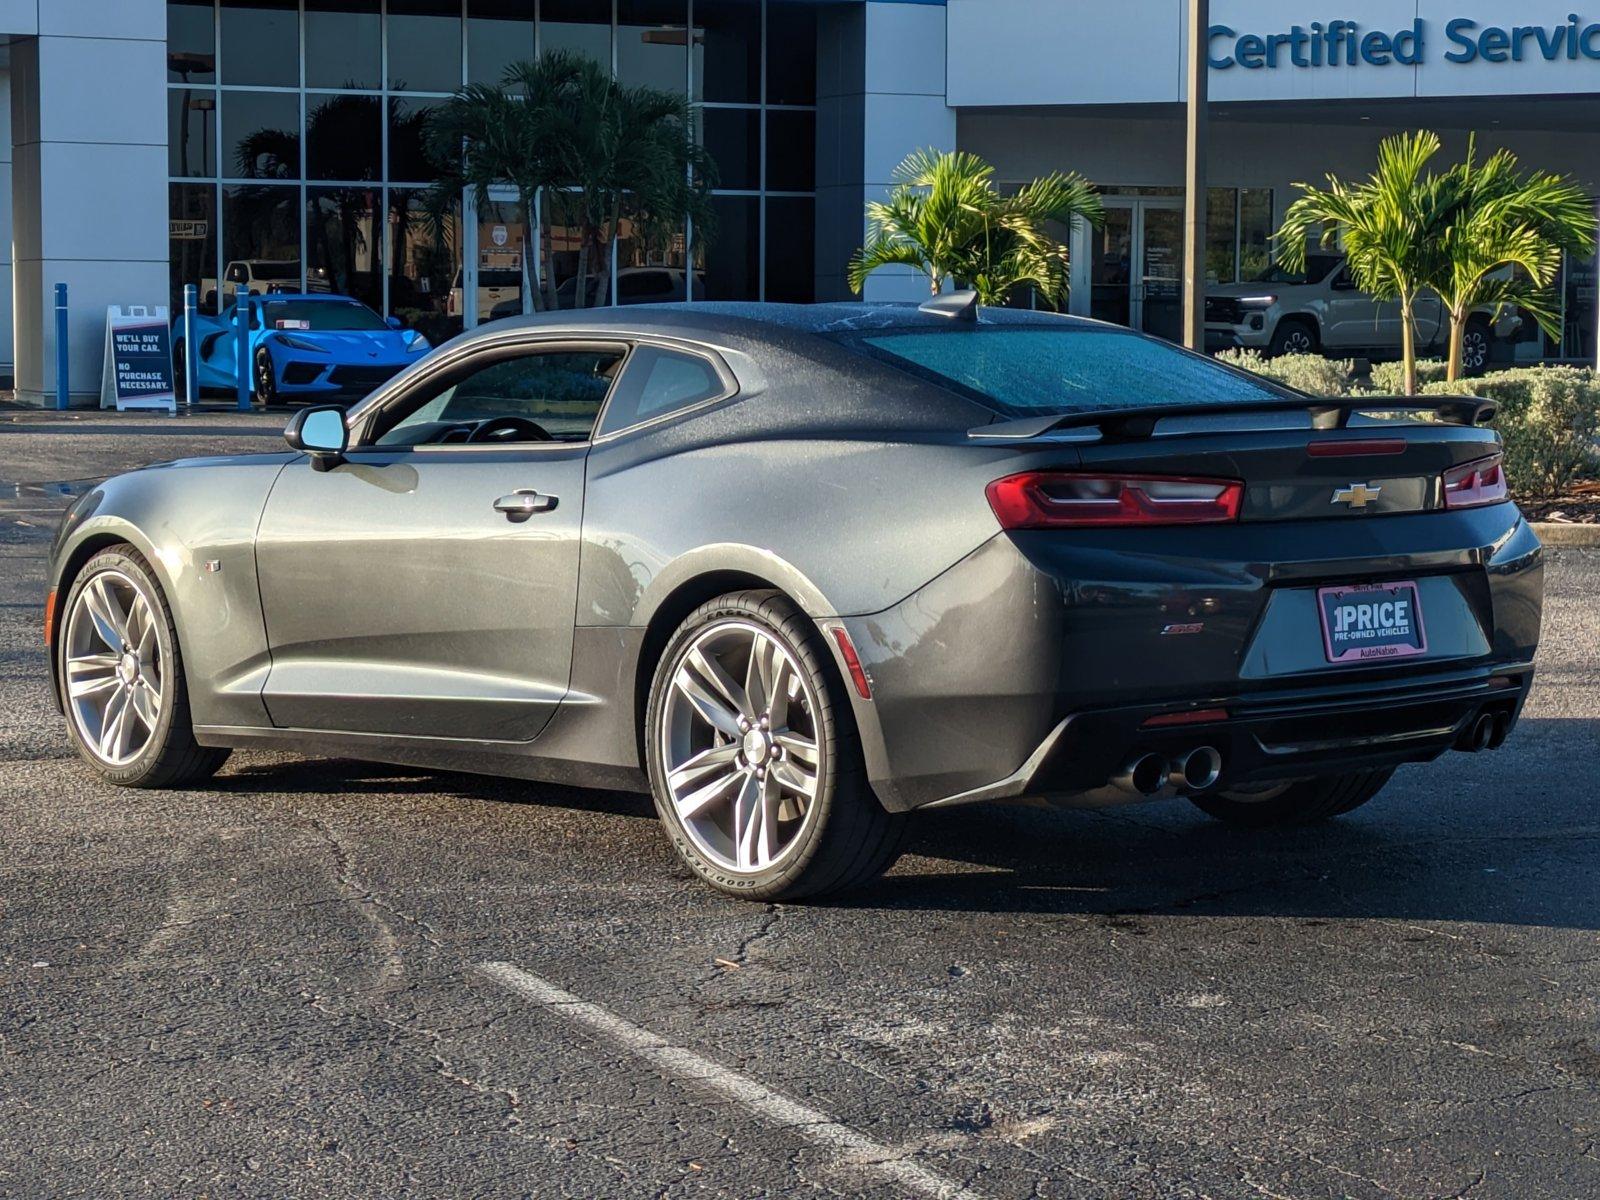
791	52
424	254
562	222
732	136
791	151
1222	246
499	33
192	131
425	45
1579	311
408	158
344	44
261	235
342	243
344	136
313	146
1256	228
192	251
580	26
652	43
191	41
261	42
261	135
731	263
791	249
727	51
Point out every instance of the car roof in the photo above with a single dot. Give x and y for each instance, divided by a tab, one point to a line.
713	317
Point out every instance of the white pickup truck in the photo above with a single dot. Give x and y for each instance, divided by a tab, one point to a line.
1322	310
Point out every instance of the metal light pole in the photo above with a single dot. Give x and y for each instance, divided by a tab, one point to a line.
1194	207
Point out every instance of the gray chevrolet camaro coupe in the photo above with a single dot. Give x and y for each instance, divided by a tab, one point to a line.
801	571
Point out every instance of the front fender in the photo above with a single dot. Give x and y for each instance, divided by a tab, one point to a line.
195	523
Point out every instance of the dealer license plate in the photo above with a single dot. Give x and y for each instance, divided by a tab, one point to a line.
1366	624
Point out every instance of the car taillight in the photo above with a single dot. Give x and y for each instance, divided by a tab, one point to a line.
1060	500
1472	484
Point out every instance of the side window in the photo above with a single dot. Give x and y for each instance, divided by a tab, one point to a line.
551	395
642	283
657	382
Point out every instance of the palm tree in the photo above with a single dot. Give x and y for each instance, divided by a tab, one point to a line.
1391	226
629	159
487	136
1504	240
946	219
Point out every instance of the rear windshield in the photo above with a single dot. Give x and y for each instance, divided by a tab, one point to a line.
1025	372
325	315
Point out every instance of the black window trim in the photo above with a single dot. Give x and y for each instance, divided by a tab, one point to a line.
730	388
490	351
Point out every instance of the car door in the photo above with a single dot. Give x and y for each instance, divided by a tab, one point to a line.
425	586
1355	319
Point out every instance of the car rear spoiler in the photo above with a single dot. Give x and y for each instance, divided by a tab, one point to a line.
1140	423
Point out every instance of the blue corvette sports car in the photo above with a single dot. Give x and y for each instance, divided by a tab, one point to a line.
302	347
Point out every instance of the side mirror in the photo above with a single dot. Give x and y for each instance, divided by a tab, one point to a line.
321	433
394	322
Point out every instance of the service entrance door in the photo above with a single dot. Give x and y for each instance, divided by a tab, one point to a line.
1136	265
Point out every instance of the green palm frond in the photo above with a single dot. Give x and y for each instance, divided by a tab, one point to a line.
945	218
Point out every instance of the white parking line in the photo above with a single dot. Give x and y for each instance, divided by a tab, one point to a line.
849	1147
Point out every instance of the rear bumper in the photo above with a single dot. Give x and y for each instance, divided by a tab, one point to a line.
1268	740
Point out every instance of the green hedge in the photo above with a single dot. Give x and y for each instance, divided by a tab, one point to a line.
1549	420
1549	417
1304	372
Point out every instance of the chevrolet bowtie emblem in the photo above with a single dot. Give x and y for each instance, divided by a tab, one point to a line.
1357	495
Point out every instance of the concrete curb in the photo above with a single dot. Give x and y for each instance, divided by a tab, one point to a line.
1555	533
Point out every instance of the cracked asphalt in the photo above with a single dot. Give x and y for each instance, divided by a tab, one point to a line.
274	985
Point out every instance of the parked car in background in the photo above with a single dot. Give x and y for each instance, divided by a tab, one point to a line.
801	570
258	276
635	285
495	287
302	347
1322	311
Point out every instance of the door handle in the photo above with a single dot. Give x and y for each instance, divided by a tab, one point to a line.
523	503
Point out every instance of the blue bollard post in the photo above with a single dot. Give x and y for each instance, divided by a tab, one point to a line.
63	395
241	330
191	301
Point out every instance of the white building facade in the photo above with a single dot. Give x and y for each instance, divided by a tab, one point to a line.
261	143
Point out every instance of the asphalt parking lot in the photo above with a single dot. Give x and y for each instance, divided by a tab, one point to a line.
328	979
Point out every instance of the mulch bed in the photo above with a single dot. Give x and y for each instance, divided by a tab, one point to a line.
1579	506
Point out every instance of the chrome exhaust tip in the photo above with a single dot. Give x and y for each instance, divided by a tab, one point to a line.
1481	734
1142	775
1502	730
1196	771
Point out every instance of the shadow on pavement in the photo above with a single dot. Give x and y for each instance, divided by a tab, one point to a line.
1494	845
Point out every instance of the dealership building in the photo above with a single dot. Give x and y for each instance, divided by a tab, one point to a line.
255	144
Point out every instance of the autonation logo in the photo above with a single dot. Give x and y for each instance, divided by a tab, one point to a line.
1348	44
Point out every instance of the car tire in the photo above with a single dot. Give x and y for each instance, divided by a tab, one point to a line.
167	755
265	378
1476	346
1294	335
841	837
1304	803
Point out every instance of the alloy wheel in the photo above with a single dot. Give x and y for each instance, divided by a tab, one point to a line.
740	747
115	673
1474	350
1297	342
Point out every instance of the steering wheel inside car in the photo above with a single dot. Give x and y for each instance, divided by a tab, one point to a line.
496	429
